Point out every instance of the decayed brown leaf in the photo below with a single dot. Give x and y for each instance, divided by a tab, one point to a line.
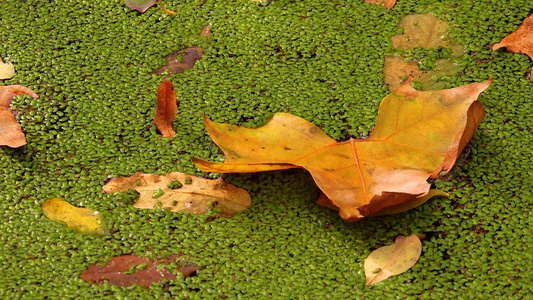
206	31
179	192
175	66
520	41
126	270
388	4
417	135
166	109
392	260
10	131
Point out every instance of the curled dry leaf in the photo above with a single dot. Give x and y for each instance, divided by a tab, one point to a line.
520	41
417	135
10	131
179	192
174	65
388	4
139	5
166	109
127	270
79	219
7	70
392	260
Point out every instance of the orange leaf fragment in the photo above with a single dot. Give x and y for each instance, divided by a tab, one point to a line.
388	4
166	109
392	260
126	270
418	134
10	131
520	41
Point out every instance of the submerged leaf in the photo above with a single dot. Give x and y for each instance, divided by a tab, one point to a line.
179	192
139	5
175	66
392	260
127	270
7	70
417	135
520	41
422	31
166	109
10	131
79	219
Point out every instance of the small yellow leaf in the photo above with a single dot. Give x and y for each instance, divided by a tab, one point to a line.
392	260
79	219
179	192
7	70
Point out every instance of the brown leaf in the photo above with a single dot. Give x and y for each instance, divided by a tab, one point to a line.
10	131
128	270
520	41
193	196
175	66
166	109
418	134
388	4
206	31
391	260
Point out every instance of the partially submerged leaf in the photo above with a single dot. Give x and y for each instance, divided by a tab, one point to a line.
520	41
139	5
422	31
10	131
166	109
388	4
79	219
127	270
206	31
174	65
179	192
417	135
392	260
7	70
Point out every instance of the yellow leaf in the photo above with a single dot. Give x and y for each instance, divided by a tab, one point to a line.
7	70
179	192
392	260
79	219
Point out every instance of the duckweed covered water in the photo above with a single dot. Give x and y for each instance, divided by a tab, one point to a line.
91	62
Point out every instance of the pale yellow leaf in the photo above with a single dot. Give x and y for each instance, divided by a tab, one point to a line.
79	219
392	260
194	195
7	70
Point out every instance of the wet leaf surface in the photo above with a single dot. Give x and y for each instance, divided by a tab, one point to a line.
174	65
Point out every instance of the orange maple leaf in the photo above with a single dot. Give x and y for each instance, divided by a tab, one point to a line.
166	109
10	131
418	134
520	41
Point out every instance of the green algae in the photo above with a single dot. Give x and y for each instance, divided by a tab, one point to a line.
90	61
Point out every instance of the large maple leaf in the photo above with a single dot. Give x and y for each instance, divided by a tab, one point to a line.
418	135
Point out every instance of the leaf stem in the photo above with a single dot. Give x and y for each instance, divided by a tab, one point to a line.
169	12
